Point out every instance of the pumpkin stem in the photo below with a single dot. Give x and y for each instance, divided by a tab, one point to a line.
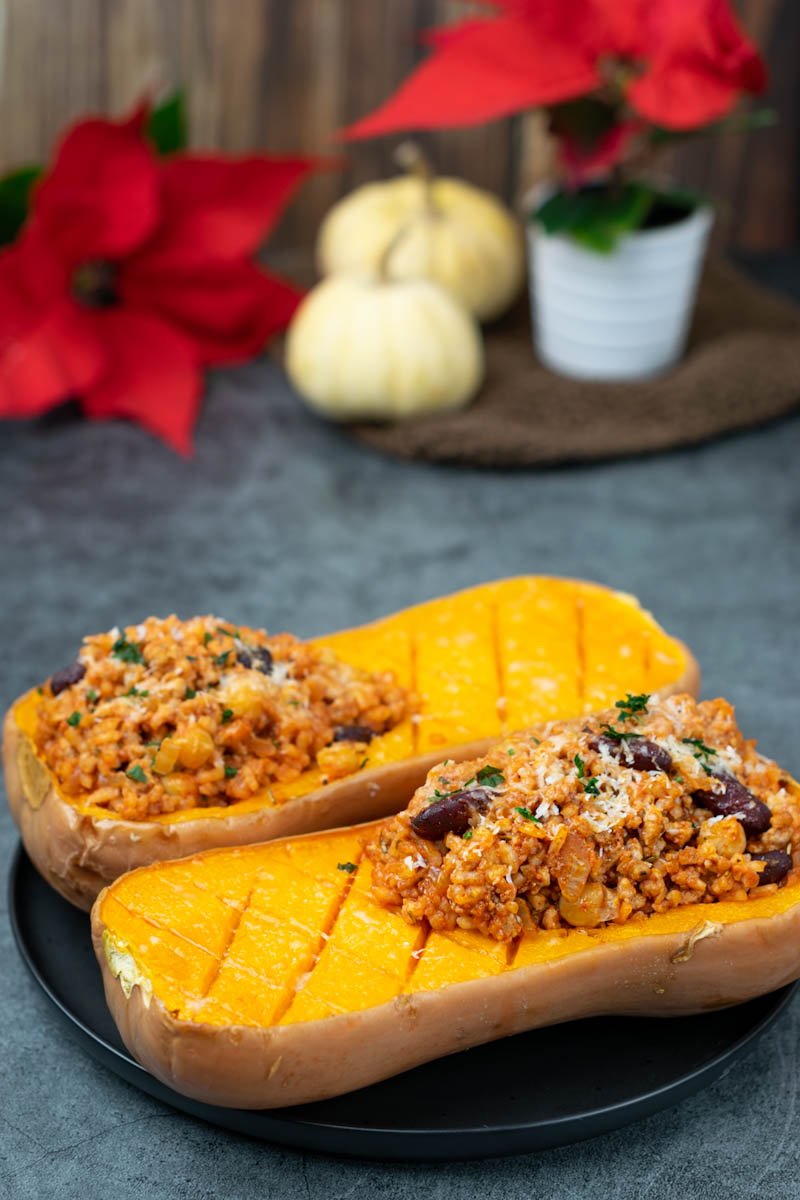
412	159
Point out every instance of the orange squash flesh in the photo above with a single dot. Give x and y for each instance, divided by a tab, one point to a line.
268	975
483	662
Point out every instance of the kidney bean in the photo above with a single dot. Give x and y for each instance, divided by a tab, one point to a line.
257	657
778	865
353	733
451	814
736	801
65	678
638	753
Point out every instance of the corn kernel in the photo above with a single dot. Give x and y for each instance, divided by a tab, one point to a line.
195	747
166	757
246	695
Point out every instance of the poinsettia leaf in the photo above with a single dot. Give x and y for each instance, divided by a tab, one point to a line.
597	217
565	211
167	125
597	237
743	122
15	194
682	197
627	208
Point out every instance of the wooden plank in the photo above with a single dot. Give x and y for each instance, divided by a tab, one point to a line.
267	75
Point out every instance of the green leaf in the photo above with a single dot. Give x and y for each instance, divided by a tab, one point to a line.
743	122
127	651
682	197
167	125
527	814
490	777
597	217
15	195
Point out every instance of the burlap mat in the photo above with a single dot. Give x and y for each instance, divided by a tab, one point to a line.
742	368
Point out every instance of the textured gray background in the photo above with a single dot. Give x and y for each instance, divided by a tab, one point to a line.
279	520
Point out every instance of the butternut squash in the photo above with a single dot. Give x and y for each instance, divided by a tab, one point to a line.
269	976
483	662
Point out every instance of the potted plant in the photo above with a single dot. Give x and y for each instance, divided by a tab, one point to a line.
615	252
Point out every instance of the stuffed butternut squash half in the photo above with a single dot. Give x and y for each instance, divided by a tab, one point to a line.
170	737
641	861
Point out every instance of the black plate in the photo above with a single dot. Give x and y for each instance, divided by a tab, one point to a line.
536	1090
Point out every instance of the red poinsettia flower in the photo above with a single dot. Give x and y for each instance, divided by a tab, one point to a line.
685	62
133	272
581	161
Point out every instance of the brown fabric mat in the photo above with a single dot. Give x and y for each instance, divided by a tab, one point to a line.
742	368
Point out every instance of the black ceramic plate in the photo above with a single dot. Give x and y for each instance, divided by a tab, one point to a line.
539	1089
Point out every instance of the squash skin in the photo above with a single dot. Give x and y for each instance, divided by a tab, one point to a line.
79	853
242	1066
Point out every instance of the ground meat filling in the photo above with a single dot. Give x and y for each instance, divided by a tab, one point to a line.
638	810
174	714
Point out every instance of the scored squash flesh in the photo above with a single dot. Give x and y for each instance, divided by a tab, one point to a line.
268	975
483	662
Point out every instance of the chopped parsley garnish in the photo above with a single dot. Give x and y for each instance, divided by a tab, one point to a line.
92	696
74	719
136	774
589	781
230	772
227	715
207	637
346	866
465	837
189	694
511	751
536	741
221	659
701	749
617	735
40	691
232	633
362	764
701	752
446	761
191	658
127	651
490	777
528	815
134	691
632	707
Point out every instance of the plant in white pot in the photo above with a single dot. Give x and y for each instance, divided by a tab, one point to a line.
615	255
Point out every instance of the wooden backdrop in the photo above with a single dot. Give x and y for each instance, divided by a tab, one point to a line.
284	74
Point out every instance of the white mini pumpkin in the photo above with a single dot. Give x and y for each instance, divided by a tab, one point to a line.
367	348
442	229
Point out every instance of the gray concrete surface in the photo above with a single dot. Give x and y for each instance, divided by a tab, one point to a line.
281	520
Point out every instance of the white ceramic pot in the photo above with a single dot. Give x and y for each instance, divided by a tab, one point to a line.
617	316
